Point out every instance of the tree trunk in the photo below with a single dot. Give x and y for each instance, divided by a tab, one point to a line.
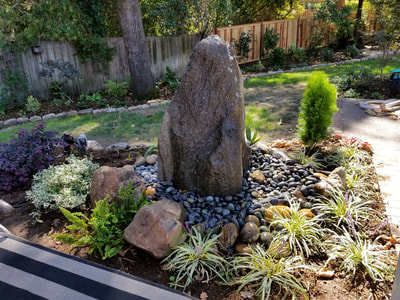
135	44
357	40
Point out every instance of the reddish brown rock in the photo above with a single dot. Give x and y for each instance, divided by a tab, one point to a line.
107	180
229	235
157	228
201	146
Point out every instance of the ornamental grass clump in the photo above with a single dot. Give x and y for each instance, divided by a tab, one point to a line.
263	272
344	209
316	110
196	259
304	159
302	231
358	255
64	186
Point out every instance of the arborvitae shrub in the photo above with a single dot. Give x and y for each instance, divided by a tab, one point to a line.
317	108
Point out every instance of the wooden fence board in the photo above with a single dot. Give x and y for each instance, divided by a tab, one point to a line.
163	51
291	31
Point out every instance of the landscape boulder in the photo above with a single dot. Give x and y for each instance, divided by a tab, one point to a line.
6	208
229	235
201	146
337	178
108	180
157	228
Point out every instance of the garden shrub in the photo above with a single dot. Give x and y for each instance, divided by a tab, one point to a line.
116	89
357	78
103	231
326	54
316	110
14	90
170	78
277	57
27	154
351	51
350	93
271	39
94	99
32	104
64	186
243	44
297	55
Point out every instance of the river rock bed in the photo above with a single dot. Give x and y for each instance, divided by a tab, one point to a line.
272	179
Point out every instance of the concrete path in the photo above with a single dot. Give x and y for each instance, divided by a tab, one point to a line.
383	133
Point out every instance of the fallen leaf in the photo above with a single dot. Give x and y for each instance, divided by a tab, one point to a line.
203	295
325	273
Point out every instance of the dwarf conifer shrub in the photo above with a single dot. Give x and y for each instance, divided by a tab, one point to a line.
24	156
316	110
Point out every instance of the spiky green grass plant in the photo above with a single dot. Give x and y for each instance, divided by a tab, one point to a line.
263	272
303	234
304	159
344	209
196	259
359	255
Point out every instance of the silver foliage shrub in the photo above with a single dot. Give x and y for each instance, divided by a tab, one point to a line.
64	186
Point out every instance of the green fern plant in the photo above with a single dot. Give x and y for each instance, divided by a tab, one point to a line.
103	231
316	110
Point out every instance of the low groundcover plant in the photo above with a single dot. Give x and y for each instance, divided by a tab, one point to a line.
64	186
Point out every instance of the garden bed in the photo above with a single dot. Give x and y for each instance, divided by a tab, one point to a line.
139	263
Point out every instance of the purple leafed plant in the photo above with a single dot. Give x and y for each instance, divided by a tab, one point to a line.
22	157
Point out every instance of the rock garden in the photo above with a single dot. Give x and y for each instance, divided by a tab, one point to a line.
211	211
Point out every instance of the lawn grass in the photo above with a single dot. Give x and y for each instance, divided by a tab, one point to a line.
260	119
128	126
122	126
331	71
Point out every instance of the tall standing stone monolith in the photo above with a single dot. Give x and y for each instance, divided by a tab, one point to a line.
201	146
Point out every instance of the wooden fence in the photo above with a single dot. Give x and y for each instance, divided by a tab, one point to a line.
163	51
292	32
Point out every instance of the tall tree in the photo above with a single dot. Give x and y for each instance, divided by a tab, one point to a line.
135	44
358	23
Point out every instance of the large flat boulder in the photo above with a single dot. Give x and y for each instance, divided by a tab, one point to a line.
201	145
